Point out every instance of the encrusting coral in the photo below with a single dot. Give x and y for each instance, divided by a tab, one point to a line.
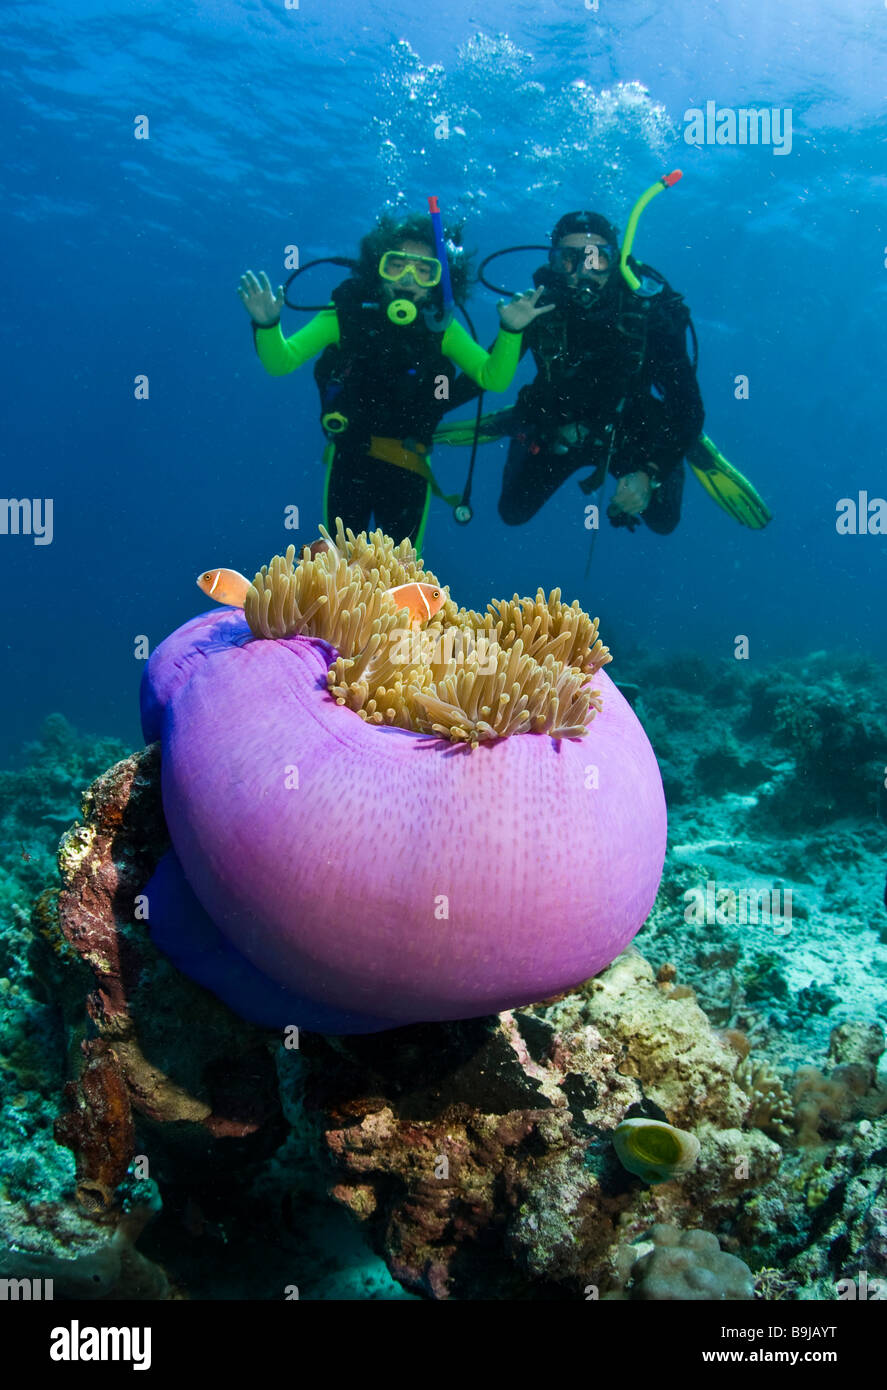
689	1265
524	666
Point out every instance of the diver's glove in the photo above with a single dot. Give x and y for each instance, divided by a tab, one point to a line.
632	496
618	517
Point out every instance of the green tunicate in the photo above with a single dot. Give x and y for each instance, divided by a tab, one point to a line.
654	1150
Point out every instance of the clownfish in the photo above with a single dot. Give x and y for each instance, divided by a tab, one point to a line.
225	586
421	600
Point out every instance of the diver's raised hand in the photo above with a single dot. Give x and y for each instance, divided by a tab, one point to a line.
259	300
632	495
520	311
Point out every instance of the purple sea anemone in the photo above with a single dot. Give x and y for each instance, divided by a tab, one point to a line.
338	872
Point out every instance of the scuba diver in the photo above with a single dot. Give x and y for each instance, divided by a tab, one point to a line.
388	343
615	389
608	372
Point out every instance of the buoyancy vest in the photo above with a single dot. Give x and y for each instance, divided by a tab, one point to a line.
382	376
588	359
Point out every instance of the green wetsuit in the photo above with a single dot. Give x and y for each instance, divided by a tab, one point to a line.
385	381
492	371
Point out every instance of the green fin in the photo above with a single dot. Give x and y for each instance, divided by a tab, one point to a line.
726	485
461	432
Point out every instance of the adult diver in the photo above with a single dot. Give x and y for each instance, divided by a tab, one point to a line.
388	340
615	388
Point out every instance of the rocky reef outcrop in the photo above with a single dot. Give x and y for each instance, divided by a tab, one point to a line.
147	1130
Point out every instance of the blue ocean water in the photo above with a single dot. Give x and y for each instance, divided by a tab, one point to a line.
271	126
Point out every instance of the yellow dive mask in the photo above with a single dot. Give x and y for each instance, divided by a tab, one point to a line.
425	270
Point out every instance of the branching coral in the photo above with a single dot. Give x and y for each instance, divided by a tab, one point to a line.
770	1107
524	666
816	1101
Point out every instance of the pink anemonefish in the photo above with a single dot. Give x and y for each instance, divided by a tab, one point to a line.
225	586
421	601
317	547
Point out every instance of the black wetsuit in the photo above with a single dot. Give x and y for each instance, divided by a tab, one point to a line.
381	378
589	359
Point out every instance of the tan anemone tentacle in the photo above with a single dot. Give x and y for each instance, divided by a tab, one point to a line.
526	665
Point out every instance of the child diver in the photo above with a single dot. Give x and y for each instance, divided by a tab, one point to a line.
386	348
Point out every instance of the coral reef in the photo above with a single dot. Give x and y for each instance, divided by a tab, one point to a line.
54	1224
771	904
770	1106
37	972
481	1160
84	1258
226	1086
98	1128
469	1159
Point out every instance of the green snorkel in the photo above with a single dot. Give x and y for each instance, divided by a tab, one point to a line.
666	181
637	287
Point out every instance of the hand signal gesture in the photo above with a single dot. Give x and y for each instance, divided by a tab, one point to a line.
522	310
259	300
